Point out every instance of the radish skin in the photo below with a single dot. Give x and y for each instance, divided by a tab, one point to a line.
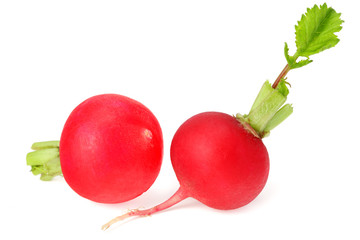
218	161
111	149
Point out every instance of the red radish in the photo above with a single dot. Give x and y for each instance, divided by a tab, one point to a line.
219	159
111	149
218	162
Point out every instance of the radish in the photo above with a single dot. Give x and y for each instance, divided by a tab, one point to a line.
110	150
220	159
217	161
217	145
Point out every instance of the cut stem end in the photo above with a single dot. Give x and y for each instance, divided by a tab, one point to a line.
45	160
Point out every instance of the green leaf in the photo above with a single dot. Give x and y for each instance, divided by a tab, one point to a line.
316	30
290	59
301	63
282	88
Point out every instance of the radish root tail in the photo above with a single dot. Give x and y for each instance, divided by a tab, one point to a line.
176	198
120	218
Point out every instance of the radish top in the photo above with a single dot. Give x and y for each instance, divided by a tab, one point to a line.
314	33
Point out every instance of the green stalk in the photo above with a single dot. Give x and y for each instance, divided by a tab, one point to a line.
264	110
45	145
267	112
279	117
45	160
281	76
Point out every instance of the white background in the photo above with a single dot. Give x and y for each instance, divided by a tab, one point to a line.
179	58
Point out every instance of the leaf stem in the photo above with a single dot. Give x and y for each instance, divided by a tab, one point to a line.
281	76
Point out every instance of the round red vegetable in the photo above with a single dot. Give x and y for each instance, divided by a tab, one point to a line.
217	161
111	149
